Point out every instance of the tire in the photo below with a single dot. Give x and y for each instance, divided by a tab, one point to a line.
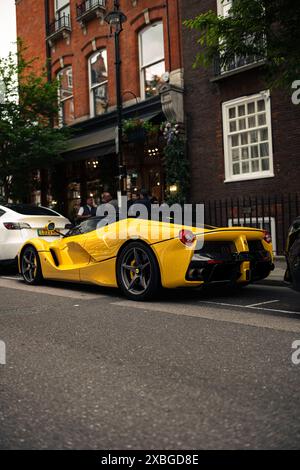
294	264
138	273
31	266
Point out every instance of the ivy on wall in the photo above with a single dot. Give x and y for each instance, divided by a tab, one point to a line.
176	164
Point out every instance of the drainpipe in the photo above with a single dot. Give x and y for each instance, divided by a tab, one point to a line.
48	48
44	174
169	36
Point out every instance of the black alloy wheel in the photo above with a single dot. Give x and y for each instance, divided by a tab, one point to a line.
138	272
31	266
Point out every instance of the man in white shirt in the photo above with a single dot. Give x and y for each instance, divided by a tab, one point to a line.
87	211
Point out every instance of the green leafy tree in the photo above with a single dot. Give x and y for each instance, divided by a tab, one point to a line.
266	29
28	140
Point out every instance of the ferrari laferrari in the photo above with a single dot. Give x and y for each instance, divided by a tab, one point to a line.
141	256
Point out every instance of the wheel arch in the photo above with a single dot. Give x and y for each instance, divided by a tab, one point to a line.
143	242
26	245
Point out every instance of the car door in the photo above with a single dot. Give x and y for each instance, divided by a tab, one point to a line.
102	245
70	256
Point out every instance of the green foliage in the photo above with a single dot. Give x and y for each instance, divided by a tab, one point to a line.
28	140
176	165
131	125
267	29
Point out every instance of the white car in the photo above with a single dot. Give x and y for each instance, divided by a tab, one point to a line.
20	222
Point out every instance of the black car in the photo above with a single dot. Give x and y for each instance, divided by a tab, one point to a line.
292	274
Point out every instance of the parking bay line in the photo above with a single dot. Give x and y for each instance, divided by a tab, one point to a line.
249	307
262	303
56	291
244	318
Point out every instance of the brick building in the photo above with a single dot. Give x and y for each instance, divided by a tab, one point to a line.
76	40
243	139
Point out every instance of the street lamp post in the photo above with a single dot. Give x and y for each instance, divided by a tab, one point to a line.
115	19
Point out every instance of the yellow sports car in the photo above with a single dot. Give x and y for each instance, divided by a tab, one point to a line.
140	256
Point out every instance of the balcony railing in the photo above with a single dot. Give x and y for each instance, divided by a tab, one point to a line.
89	9
238	62
59	27
223	65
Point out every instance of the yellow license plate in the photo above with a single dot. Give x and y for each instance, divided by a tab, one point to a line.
46	233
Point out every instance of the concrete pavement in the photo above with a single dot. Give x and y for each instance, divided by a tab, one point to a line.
86	369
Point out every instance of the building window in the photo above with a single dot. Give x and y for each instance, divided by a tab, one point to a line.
98	81
62	8
238	61
65	97
152	59
224	7
248	137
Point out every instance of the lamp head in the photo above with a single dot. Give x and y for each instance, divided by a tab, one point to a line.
115	19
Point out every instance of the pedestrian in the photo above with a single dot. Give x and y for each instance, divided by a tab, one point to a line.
87	211
74	211
154	200
106	201
144	200
133	198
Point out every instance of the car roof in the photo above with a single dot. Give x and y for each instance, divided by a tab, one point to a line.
15	206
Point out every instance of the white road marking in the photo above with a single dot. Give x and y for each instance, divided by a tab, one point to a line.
262	303
18	284
13	278
247	306
243	317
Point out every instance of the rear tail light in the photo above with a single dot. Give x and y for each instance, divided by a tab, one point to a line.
187	237
267	237
15	226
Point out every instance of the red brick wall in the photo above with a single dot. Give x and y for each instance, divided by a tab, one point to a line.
30	24
31	29
203	106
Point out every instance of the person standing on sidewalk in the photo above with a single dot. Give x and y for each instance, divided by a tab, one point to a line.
87	211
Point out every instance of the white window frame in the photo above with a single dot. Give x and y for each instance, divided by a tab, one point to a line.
69	75
229	177
244	222
221	5
92	87
58	9
143	66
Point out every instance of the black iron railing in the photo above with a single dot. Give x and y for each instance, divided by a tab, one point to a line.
222	67
274	213
88	5
224	64
63	22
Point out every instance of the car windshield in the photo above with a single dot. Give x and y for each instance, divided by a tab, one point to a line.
86	226
25	209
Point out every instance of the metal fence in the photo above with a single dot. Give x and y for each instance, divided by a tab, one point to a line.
273	213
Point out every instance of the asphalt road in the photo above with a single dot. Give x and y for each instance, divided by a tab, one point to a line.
87	369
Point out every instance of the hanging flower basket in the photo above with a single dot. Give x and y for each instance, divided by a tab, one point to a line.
137	130
136	135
